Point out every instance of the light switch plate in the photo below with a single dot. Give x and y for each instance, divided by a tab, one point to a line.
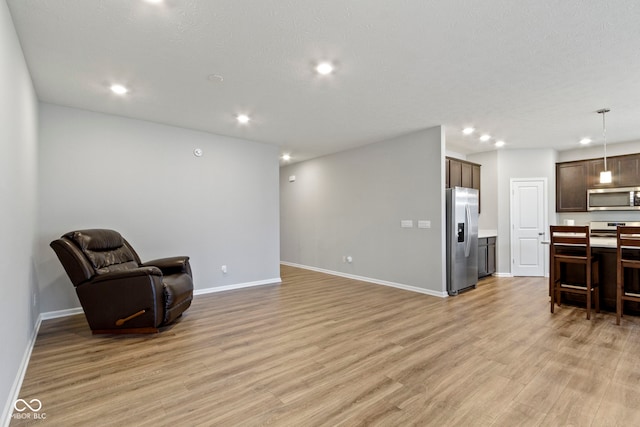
424	223
406	223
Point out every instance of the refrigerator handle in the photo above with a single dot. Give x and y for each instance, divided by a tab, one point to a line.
467	224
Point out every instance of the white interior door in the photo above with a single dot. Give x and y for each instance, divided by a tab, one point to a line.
528	226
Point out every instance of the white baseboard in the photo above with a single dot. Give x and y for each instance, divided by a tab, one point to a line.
61	313
503	274
370	280
22	370
276	280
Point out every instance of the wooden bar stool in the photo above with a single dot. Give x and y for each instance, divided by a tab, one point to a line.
628	240
570	245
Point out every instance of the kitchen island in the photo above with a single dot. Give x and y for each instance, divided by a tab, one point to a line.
605	249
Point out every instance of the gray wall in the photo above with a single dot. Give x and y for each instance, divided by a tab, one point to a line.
351	204
142	179
521	164
506	165
488	188
18	192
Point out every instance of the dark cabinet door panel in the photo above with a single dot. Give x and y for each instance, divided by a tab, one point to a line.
626	171
571	187
467	175
475	177
486	256
491	255
594	167
482	257
455	174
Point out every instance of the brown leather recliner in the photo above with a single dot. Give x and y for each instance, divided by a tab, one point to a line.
118	293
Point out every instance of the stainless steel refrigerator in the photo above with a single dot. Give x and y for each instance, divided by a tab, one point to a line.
462	239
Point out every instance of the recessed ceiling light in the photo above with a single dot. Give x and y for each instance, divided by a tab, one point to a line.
217	78
499	143
468	131
286	157
119	89
324	68
485	137
585	141
242	118
154	1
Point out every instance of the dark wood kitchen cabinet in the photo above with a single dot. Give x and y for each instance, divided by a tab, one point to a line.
571	187
475	176
574	178
460	173
626	170
466	169
594	167
455	173
486	256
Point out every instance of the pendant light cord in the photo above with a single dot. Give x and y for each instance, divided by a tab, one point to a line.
604	112
604	135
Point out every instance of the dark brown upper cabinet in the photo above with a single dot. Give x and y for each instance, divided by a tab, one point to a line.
594	167
455	173
475	176
466	169
574	178
460	173
626	170
571	187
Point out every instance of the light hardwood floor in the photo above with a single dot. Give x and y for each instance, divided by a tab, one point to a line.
325	350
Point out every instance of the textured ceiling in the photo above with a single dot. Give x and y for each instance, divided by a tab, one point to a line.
531	72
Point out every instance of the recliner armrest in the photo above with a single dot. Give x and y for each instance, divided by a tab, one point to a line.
125	274
171	265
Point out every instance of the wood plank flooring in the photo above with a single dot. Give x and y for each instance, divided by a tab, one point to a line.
320	350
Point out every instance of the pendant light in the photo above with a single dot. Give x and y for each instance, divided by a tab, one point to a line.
605	175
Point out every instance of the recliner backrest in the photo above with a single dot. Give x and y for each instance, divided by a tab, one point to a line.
87	253
105	250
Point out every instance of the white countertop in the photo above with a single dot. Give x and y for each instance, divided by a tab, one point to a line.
488	233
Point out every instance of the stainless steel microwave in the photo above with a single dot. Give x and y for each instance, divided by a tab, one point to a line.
613	199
